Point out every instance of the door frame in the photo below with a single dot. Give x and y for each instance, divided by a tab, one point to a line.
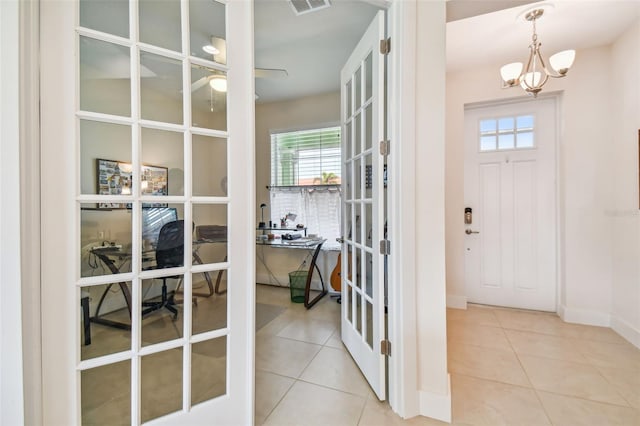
557	96
404	386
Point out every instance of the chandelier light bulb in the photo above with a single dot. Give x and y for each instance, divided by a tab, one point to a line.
531	80
562	61
511	72
218	83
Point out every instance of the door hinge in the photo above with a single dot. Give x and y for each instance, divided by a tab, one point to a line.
384	147
385	347
385	247
385	46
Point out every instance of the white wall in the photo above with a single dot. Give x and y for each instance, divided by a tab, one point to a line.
292	114
625	212
586	178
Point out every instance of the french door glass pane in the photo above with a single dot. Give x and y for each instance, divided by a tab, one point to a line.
368	183
368	66
208	369
357	84
347	138
161	384
348	112
210	242
106	394
208	32
208	98
358	312
162	169
92	13
357	232
369	221
108	301
162	314
161	88
368	127
211	312
105	141
210	180
368	329
357	138
369	274
348	303
105	77
163	14
357	179
105	239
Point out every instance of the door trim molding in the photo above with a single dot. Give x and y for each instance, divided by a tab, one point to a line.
29	45
401	117
11	330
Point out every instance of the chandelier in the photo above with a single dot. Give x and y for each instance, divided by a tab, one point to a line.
536	73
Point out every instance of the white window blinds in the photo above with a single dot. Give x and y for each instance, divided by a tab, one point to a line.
306	157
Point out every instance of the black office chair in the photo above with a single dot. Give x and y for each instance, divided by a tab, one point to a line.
169	254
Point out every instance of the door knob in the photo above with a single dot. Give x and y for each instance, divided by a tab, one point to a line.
469	232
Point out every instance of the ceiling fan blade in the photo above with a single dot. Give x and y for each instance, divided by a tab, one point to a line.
200	83
271	73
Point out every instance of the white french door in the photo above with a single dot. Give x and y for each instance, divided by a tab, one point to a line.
133	137
510	242
362	119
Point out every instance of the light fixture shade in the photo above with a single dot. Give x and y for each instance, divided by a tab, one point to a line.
210	49
511	72
562	61
532	80
218	83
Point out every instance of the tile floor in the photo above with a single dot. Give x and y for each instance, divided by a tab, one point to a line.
508	367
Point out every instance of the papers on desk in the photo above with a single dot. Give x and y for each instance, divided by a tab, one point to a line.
300	242
110	247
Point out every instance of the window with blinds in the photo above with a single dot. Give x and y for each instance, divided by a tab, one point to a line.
306	157
305	180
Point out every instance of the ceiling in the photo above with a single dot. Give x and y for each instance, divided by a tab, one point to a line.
566	24
313	47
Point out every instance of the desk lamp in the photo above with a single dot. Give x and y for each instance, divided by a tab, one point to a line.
261	224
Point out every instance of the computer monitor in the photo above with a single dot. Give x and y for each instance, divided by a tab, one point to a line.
153	218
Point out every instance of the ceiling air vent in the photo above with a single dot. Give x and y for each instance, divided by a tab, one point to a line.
301	7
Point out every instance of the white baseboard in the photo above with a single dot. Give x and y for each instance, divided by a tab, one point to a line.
584	316
456	302
436	406
626	330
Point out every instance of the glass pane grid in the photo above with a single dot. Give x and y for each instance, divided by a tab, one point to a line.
506	133
161	59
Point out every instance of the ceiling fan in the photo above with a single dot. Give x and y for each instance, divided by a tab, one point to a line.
218	80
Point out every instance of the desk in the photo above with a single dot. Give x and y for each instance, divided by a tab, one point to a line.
308	244
111	256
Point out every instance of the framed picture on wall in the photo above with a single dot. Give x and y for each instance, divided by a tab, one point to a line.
116	178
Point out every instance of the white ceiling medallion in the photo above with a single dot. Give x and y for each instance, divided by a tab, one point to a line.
536	73
300	7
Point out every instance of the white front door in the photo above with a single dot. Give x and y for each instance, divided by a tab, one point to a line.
510	203
362	117
134	138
